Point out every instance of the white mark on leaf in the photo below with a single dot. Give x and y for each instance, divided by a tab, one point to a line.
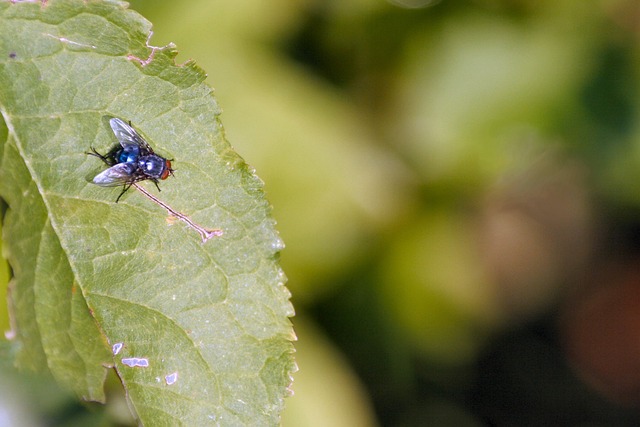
116	348
42	2
205	233
70	42
171	378
154	49
134	362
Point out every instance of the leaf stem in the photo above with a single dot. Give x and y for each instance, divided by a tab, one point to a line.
205	233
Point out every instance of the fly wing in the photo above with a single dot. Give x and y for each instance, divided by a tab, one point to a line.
120	174
127	135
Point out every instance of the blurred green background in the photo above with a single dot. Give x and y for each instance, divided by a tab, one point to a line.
456	184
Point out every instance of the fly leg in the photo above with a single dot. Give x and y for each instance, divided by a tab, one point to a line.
125	188
107	158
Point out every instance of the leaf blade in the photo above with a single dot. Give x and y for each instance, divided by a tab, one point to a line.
49	332
215	314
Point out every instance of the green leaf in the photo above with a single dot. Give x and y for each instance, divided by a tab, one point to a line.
209	319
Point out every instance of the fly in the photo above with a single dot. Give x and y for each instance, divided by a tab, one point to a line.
131	161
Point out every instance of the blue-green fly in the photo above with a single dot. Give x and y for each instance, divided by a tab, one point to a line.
132	160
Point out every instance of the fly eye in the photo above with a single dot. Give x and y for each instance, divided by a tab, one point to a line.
165	174
167	170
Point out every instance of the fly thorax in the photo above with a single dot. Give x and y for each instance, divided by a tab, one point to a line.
152	165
